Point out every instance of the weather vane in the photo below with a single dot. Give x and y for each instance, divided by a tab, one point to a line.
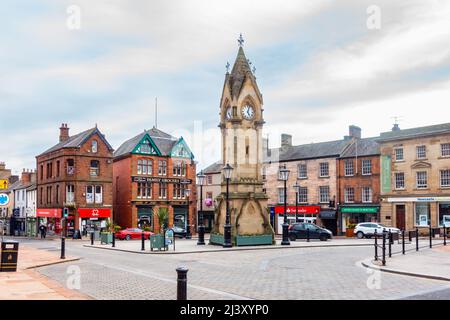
241	40
227	66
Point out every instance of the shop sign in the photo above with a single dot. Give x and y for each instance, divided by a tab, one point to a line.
94	213
419	199
359	209
385	174
49	213
158	180
4	199
301	210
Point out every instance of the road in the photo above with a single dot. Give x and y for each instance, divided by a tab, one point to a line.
297	274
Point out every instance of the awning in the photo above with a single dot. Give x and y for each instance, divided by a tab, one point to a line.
327	214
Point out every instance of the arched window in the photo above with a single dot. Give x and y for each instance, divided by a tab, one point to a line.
94	147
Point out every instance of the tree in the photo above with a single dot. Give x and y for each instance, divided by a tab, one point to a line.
163	219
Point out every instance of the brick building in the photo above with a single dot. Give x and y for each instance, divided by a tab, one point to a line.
75	173
211	190
415	176
358	180
153	170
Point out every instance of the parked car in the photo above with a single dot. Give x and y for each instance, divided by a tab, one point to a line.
298	231
367	229
132	234
179	232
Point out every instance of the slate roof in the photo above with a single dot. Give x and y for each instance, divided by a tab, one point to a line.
362	147
77	141
216	167
415	132
163	141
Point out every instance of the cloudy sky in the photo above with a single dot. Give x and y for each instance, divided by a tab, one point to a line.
318	64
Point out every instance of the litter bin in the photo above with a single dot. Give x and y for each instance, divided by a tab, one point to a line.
10	250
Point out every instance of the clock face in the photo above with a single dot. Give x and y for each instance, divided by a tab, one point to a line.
229	113
248	112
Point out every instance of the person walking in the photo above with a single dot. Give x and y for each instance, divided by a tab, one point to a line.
42	230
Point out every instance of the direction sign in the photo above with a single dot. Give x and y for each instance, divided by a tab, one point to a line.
4	199
3	184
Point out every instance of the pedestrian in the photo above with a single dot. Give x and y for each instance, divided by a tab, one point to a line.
42	230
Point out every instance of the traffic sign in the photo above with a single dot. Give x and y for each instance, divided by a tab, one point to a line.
3	184
4	199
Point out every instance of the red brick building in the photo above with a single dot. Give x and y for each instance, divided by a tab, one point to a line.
152	170
75	173
358	180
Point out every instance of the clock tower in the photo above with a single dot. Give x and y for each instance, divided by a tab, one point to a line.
241	124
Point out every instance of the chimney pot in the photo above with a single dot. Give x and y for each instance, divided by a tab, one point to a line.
286	140
354	132
63	132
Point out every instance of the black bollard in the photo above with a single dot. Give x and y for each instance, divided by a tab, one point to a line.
376	245
113	240
182	283
403	241
92	238
445	236
63	247
390	243
143	241
431	236
307	235
410	236
383	261
417	239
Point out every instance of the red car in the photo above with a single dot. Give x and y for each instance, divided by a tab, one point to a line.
132	233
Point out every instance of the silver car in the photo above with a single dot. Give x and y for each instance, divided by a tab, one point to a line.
367	229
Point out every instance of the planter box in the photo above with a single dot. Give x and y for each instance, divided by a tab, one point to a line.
216	239
157	242
349	233
106	238
264	239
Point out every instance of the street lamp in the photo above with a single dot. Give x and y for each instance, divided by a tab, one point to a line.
201	177
187	193
283	175
297	192
227	170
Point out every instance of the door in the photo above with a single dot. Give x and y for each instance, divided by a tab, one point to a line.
400	216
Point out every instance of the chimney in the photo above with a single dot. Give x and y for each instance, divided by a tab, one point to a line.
2	166
354	132
63	132
395	127
286	140
26	176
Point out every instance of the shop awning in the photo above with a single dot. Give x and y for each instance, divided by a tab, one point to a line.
327	214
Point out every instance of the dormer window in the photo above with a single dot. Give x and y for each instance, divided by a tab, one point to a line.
94	146
146	147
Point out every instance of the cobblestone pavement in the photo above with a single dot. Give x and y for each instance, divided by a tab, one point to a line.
312	273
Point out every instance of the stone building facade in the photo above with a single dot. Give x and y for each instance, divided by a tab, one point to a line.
415	177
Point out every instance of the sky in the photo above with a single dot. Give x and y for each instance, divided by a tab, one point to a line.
321	66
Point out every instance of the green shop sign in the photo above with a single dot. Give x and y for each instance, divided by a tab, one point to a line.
359	209
385	174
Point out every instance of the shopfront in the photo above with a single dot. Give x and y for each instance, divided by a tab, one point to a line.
51	218
144	216
93	219
307	214
180	217
444	214
358	214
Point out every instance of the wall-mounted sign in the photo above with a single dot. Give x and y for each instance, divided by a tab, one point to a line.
158	180
385	174
301	210
4	199
94	213
3	184
49	213
419	199
359	209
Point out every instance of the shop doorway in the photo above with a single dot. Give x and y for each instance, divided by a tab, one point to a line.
400	216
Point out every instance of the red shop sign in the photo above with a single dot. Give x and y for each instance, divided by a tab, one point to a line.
301	210
49	213
94	213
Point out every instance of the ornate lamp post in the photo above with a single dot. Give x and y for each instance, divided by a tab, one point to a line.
201	228
187	193
283	175
227	170
297	191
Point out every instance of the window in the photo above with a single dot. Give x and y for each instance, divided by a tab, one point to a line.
58	165
146	147
49	195
70	193
445	150
302	171
178	191
280	195
70	167
209	195
89	194
49	170
145	190
349	195
366	194
421	152
210	179
399	180
399	154
41	196
145	166
324	169
57	194
95	168
421	180
445	178
162	190
94	146
324	194
422	211
42	172
349	169
179	169
303	195
162	167
98	194
366	167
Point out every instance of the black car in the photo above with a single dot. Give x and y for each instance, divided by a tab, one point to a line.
299	231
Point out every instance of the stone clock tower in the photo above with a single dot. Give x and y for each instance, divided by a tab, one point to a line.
241	123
